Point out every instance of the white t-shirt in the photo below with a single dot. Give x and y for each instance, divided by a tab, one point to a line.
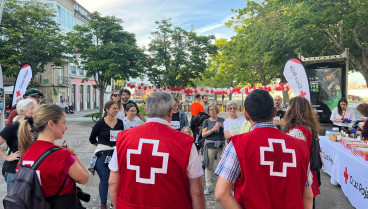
233	125
130	124
194	169
120	116
336	116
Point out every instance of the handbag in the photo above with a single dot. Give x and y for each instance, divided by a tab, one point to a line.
315	157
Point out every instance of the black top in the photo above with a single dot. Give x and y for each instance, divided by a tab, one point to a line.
102	131
124	105
214	136
10	134
280	113
175	117
365	129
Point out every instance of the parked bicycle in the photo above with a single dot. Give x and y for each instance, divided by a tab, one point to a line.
96	117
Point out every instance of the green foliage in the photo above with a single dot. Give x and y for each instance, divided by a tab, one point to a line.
142	110
178	56
105	50
270	32
31	36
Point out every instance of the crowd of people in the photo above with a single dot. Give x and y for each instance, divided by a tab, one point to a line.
263	154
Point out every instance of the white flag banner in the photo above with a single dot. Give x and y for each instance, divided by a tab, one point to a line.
296	77
23	79
1	78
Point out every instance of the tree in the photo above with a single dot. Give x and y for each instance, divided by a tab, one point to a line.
179	56
223	70
275	30
31	36
344	24
106	50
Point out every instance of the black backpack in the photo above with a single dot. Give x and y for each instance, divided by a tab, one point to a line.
195	125
197	121
25	191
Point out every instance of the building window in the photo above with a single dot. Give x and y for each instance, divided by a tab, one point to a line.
73	70
58	18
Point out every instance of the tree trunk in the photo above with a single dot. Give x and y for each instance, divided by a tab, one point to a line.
102	89
365	76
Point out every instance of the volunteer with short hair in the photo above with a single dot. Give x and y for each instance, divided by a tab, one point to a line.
233	124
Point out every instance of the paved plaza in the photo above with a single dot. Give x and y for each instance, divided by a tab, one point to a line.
77	136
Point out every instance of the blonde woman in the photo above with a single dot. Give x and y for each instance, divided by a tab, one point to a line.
48	124
116	97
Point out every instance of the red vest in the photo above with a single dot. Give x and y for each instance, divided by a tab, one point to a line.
308	135
153	159
273	169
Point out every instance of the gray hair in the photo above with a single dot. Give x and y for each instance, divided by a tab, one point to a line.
231	102
159	104
23	105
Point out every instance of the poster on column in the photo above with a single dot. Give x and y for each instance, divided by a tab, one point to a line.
23	79
296	76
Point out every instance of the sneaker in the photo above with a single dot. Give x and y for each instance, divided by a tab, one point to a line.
103	206
207	190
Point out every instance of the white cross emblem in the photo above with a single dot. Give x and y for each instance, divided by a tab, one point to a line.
271	163
153	171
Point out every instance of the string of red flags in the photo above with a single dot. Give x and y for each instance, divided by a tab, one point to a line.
209	90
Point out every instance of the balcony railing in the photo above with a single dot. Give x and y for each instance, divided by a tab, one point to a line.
64	81
9	80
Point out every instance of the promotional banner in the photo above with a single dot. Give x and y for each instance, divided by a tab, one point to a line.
23	79
295	75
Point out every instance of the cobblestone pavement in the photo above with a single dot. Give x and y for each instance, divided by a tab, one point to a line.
77	136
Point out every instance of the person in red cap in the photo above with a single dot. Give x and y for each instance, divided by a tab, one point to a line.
154	165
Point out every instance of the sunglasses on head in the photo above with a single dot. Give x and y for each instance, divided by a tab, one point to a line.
116	95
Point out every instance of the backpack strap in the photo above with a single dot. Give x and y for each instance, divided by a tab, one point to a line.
44	156
58	192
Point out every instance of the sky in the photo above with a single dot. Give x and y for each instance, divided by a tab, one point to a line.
139	16
205	16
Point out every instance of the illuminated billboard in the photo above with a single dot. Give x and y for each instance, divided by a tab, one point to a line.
327	83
